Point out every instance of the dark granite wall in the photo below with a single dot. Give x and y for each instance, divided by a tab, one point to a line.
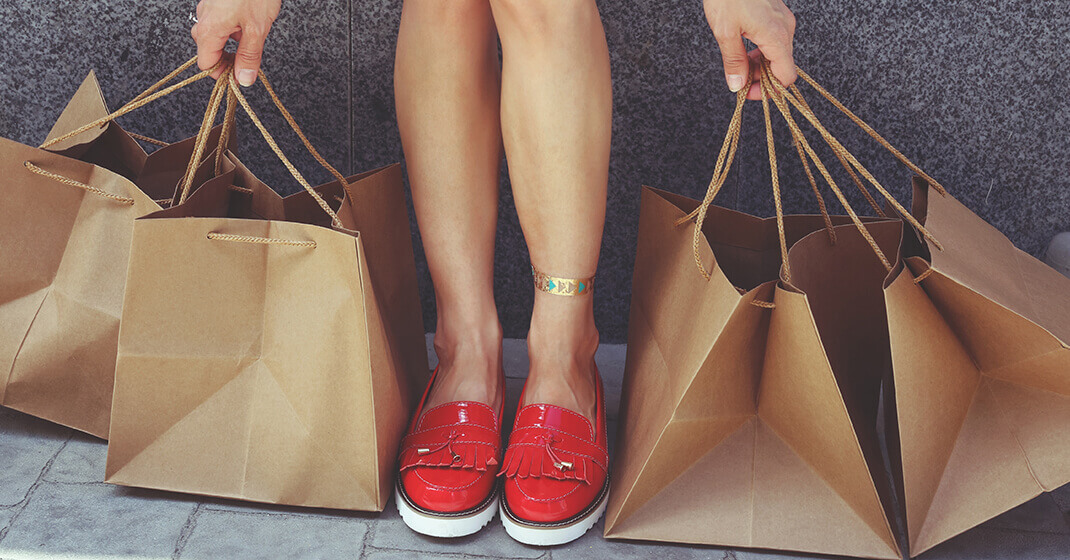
976	91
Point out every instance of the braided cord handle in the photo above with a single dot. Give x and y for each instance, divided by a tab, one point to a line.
784	99
218	93
235	89
144	98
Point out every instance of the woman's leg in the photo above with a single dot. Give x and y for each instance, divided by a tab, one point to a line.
446	88
556	118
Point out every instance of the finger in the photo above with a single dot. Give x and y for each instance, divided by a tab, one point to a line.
776	47
247	58
755	91
734	58
210	45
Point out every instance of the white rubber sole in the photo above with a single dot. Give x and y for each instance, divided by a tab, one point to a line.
444	526
552	536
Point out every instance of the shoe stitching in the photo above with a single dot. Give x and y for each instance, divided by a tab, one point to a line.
590	428
423	414
575	488
551	428
454	425
473	442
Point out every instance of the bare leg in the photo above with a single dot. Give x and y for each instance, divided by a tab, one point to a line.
556	120
446	87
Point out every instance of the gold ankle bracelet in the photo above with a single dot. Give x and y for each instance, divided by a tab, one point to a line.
562	286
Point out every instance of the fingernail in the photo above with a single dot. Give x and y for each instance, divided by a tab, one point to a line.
735	82
246	77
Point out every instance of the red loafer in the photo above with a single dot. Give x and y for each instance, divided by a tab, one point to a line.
556	473
448	460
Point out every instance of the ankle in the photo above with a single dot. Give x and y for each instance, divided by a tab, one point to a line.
471	337
563	336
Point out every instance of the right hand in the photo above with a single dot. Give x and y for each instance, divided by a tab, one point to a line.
245	21
769	24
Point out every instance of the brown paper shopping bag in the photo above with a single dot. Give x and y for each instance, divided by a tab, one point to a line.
751	397
747	423
269	347
66	218
979	336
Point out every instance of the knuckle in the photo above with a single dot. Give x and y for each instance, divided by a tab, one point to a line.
249	55
723	34
257	30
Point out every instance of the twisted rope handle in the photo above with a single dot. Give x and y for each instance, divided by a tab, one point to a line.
775	179
261	240
778	98
216	99
68	181
224	134
784	98
869	130
720	174
236	90
300	134
146	97
843	162
148	139
831	140
163	81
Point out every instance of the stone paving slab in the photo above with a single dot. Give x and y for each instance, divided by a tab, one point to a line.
6	515
593	547
60	509
226	534
27	444
76	521
80	462
390	532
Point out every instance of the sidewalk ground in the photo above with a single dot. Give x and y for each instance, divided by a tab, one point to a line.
52	505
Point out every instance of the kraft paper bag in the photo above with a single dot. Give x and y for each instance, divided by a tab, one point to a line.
63	257
979	335
265	355
749	409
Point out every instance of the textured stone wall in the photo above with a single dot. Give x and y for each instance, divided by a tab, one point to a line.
975	91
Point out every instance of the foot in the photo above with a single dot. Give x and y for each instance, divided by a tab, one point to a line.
470	369
555	473
565	381
561	346
448	462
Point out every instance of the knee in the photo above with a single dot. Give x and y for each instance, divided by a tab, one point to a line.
543	19
456	15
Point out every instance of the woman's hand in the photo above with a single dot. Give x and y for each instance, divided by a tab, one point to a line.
769	24
245	21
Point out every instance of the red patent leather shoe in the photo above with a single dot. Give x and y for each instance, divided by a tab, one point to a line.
556	473
448	460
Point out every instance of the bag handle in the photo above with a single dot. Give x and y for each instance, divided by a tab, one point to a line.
235	90
149	95
219	91
144	98
304	140
781	93
785	98
68	181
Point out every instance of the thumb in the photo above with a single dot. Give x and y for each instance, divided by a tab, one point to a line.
247	57
734	58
